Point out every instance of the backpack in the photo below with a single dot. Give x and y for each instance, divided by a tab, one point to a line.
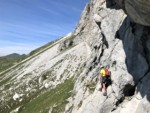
107	73
108	76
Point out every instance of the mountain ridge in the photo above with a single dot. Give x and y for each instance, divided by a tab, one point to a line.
104	36
10	60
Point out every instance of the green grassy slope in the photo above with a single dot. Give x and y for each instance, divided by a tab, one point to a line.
55	98
10	60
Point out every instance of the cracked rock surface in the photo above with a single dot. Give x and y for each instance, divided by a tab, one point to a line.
138	10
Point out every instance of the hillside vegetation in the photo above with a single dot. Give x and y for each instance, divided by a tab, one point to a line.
10	60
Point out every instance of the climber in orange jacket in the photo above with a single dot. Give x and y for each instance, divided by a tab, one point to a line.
105	79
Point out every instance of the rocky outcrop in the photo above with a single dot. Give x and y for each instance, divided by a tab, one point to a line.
122	45
138	10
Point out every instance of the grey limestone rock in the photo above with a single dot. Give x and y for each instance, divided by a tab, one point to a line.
104	36
122	45
138	10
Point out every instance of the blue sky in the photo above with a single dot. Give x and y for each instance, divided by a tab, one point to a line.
28	24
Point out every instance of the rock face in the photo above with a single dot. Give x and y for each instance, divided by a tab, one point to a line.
104	36
122	45
138	10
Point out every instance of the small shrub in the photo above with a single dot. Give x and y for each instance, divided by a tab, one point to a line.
82	79
70	109
80	104
91	86
46	74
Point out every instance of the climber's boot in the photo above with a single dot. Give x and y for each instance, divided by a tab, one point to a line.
104	94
